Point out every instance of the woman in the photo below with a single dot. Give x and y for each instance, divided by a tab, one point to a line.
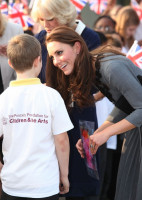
120	80
127	22
137	6
82	186
51	14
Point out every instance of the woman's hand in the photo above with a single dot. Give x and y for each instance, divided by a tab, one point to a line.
96	140
79	144
107	130
98	96
79	147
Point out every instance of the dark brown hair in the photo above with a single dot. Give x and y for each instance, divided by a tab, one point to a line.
78	85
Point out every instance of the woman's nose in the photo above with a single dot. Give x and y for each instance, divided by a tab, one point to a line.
46	24
56	61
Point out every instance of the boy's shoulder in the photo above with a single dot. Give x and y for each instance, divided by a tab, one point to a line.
51	91
51	96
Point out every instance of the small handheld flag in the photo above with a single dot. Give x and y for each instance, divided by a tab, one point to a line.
135	54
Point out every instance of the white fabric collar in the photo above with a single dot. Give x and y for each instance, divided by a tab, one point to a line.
80	27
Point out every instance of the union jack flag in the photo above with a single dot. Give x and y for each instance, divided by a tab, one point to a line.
17	15
98	6
79	4
137	8
25	3
4	7
135	54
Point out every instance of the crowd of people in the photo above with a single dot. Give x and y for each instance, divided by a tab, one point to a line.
57	76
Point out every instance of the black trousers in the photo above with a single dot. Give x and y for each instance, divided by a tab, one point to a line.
5	196
83	198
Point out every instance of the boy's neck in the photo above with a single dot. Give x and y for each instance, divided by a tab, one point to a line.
26	75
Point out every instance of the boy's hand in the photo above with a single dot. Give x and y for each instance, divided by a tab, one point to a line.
64	185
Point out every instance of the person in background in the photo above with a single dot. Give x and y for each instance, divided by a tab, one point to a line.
110	5
7	31
105	24
102	36
114	39
127	21
30	157
29	30
137	6
115	9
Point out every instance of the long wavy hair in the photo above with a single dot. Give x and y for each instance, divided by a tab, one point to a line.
126	17
77	86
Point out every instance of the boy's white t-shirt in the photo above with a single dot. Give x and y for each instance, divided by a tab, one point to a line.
30	114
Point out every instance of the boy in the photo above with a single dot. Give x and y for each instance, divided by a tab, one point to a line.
33	122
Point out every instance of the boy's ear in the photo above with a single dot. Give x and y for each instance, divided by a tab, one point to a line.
36	61
9	62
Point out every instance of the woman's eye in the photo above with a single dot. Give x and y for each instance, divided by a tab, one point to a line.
59	52
49	20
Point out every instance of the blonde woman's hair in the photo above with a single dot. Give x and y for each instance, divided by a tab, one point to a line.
2	24
62	10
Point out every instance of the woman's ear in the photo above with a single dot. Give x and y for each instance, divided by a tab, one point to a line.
77	47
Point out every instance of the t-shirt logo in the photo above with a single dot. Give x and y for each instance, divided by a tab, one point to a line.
5	121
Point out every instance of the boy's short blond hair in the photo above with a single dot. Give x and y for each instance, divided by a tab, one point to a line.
22	50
